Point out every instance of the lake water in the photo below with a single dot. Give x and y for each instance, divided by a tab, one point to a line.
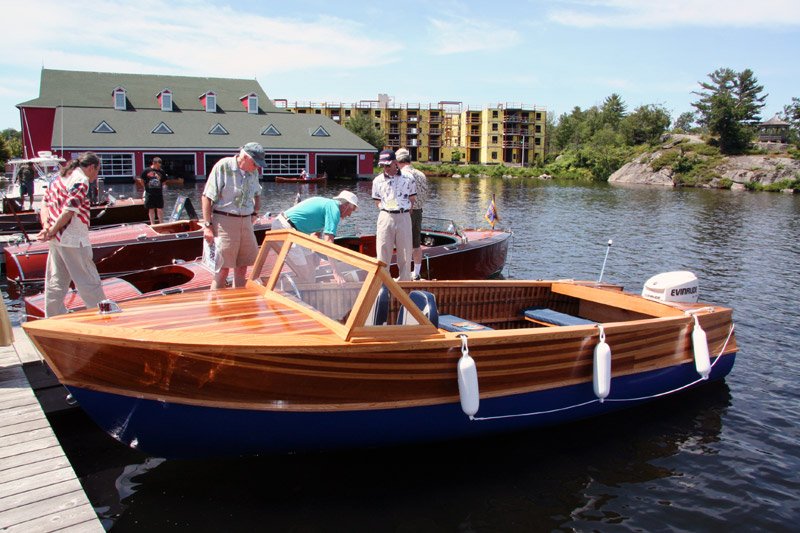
725	456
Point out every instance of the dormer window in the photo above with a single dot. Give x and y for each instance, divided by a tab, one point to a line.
250	102
209	99
165	97
120	98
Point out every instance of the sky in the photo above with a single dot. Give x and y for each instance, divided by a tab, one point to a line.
555	54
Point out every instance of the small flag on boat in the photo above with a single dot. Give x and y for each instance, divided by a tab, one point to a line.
297	198
491	213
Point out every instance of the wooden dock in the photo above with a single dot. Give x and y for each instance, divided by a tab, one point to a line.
39	490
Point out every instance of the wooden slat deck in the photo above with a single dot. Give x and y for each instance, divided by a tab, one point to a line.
38	487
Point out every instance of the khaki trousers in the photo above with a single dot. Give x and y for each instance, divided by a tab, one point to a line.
394	233
67	264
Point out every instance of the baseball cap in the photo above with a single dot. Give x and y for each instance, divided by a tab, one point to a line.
403	155
256	151
386	157
349	196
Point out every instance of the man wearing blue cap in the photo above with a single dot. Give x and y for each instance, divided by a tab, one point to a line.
394	196
231	201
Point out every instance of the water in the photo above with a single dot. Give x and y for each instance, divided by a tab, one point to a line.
722	457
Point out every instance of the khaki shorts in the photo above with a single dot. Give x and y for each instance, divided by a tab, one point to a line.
236	239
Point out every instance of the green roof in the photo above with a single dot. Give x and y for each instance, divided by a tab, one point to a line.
84	100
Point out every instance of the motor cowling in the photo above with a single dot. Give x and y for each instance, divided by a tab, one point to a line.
680	286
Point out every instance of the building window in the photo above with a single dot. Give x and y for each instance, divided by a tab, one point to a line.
103	127
162	129
271	130
120	99
378	113
116	165
166	100
252	104
211	103
494	127
494	155
494	114
320	132
494	140
285	164
218	130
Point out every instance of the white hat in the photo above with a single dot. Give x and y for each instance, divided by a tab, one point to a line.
403	155
348	196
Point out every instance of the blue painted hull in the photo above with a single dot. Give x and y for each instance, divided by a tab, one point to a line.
177	430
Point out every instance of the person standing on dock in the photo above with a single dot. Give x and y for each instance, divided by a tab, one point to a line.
394	196
65	226
153	179
27	184
421	184
231	201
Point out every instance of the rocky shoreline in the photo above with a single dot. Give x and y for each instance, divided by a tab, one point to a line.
734	172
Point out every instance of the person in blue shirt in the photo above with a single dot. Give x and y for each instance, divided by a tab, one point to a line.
319	216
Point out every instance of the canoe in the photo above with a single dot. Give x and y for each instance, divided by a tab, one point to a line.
295	361
121	249
320	179
448	252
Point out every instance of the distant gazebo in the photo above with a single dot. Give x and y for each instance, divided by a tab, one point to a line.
774	130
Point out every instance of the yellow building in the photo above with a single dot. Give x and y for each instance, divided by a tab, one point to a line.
511	134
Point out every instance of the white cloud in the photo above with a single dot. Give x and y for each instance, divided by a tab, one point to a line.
187	38
672	13
458	35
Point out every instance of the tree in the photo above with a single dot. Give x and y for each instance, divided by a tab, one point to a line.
646	124
613	110
13	141
361	124
684	122
791	114
5	152
729	104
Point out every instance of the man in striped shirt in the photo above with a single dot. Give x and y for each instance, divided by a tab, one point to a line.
65	226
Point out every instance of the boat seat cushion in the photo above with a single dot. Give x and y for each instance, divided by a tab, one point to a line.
548	316
427	304
379	314
454	323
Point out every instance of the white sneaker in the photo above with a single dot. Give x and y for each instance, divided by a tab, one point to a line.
415	277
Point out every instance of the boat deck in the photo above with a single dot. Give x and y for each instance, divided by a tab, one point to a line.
39	490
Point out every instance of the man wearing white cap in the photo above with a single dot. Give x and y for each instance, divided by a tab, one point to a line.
394	196
231	201
319	216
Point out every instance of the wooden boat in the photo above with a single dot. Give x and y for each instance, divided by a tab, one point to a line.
318	179
121	249
449	253
112	211
296	361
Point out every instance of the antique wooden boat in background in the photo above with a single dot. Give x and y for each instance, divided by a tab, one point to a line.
122	249
318	179
296	361
450	253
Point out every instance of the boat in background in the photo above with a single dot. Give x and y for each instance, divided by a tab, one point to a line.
297	361
122	249
318	179
448	251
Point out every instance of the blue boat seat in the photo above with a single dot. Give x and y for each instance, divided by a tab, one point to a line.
548	317
454	323
379	314
426	302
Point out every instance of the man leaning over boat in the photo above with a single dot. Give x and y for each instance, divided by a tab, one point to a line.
318	216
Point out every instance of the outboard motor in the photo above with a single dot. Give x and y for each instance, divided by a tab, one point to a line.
681	286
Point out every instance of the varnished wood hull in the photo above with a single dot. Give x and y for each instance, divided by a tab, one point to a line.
281	179
127	210
119	250
229	372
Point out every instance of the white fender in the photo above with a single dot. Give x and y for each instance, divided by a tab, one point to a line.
602	367
702	361
468	385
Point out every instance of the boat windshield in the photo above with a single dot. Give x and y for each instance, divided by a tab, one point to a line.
312	279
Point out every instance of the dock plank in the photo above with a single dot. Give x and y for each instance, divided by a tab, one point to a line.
38	487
